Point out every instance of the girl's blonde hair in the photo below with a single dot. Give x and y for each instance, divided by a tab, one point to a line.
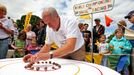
118	30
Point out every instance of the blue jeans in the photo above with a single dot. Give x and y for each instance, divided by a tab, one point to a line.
126	71
104	61
132	62
3	48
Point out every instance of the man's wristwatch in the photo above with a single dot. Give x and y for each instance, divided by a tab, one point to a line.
51	54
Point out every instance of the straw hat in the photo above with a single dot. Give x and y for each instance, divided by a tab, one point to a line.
122	23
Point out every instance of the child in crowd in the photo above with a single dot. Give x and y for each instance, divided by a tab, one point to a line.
33	48
30	35
120	45
87	39
19	45
103	48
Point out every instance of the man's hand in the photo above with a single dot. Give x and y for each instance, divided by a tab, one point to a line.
39	56
27	57
1	25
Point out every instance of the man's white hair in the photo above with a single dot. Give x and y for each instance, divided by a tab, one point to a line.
3	8
50	11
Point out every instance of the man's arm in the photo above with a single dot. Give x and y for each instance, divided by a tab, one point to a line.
45	48
44	53
7	30
67	48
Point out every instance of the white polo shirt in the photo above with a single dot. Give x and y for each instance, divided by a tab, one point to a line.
7	23
68	29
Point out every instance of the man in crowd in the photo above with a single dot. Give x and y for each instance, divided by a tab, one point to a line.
98	30
6	29
130	17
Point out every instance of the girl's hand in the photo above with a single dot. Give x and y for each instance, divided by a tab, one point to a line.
121	47
111	47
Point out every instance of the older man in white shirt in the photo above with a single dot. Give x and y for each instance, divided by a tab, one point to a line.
66	35
6	29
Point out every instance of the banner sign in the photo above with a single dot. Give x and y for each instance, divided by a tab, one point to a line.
93	7
27	19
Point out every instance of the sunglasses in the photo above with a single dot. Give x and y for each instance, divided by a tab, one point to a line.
130	17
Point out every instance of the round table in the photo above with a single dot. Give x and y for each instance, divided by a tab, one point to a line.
15	66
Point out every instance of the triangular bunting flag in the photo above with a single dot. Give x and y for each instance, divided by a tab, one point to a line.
108	20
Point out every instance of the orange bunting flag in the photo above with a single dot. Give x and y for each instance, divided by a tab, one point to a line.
108	20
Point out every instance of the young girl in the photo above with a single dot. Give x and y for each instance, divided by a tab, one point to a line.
33	48
103	49
103	46
19	45
120	45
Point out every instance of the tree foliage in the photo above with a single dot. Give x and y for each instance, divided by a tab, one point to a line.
110	38
33	21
